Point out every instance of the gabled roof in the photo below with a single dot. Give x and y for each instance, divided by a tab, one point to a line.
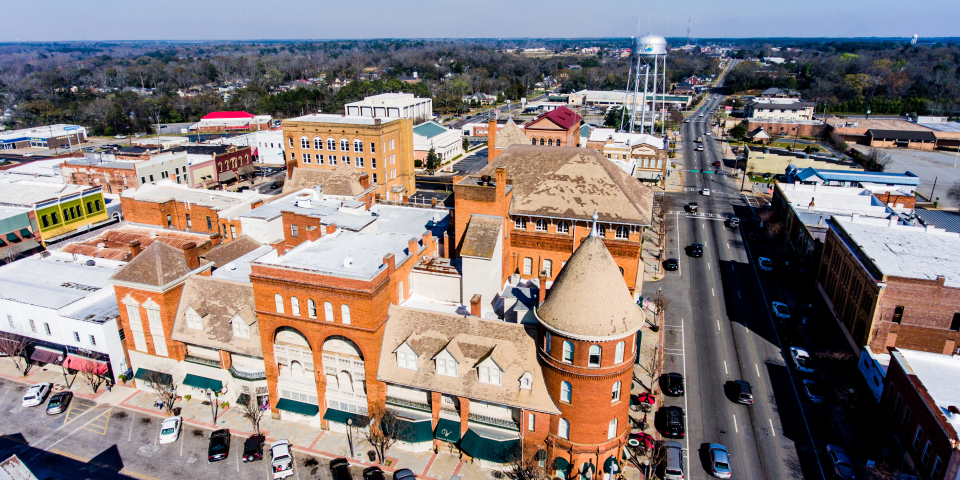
230	251
571	182
158	265
226	115
510	134
562	116
343	181
589	298
481	237
217	302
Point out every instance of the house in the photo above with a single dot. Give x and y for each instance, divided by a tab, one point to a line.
684	88
392	105
758	135
445	142
775	92
642	156
232	122
778	108
559	127
481	98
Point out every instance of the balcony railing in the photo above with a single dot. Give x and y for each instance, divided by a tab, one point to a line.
247	376
203	361
403	402
496	422
337	361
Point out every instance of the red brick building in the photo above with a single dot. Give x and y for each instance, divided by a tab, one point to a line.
557	128
113	177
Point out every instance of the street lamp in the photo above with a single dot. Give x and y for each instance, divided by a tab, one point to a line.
214	404
350	435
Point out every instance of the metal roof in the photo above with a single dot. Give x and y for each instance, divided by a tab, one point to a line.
947	220
907	178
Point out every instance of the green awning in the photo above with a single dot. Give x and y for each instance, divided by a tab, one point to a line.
561	464
448	430
411	431
294	406
610	465
153	377
24	233
2	243
489	449
203	383
339	416
12	237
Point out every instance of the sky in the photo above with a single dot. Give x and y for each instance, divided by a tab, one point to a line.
65	20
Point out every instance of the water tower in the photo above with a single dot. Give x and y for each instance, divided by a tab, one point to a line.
651	55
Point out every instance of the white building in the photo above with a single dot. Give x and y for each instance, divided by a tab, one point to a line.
267	145
618	98
447	143
50	136
66	305
265	223
393	105
779	109
163	166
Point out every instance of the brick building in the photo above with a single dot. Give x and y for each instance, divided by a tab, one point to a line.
922	395
381	147
787	127
232	122
215	165
557	128
112	176
892	285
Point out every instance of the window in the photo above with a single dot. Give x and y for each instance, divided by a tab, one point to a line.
279	301
594	357
317	143
311	308
527	266
541	225
293	156
54	218
531	422
935	473
344	145
541	142
136	326
563	227
407	360
533	141
615	392
291	141
358	161
46	328
306	158
10	321
294	231
566	392
89	208
46	223
447	367
393	144
33	326
156	331
374	176
905	416
612	429
550	142
548	342
76	337
563	429
548	268
955	324
169	221
622	233
209	224
240	328
926	454
193	320
373	147
490	375
345	314
601	230
373	164
331	144
328	311
189	222
357	146
304	143
346	160
520	223
897	314
295	306
233	231
332	159
567	351
526	381
618	353
319	159
916	437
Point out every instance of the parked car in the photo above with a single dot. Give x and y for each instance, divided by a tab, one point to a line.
699	148
274	185
674	423
281	462
340	469
719	461
695	250
36	394
219	446
801	359
781	310
59	402
673	384
733	222
765	264
373	473
673	470
119	136
253	448
705	191
671	264
813	391
170	430
744	392
404	474
842	465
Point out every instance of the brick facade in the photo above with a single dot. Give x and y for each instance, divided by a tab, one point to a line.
774	127
188	217
113	180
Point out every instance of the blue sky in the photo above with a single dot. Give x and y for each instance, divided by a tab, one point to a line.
51	20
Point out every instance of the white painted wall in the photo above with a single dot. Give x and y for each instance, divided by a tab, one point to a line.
483	276
445	288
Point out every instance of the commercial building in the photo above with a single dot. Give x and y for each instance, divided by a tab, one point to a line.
445	142
170	165
159	143
618	98
787	127
916	140
55	210
232	122
854	130
392	105
381	147
892	285
642	156
883	184
557	128
113	176
17	236
313	206
775	161
213	166
946	132
266	145
778	108
50	136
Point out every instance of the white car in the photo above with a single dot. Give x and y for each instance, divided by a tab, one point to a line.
765	264
801	359
705	191
781	310
707	132
119	136
36	394
170	430
813	391
281	463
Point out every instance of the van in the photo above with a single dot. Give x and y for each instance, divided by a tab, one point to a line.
674	455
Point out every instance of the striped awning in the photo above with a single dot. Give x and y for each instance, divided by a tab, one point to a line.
84	364
47	355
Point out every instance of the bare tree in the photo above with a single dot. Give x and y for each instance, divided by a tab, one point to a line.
252	412
384	430
164	385
16	346
92	373
654	455
954	193
525	463
876	160
660	303
769	224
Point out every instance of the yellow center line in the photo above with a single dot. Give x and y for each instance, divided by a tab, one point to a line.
102	465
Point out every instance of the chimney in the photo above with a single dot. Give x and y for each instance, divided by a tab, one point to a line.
318	192
433	202
191	254
278	246
365	181
413	247
389	260
543	287
135	248
811	203
475	305
492	140
501	182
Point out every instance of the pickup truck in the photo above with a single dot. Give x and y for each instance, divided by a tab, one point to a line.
281	462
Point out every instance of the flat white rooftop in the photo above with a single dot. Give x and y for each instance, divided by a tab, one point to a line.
167	190
834	200
239	269
344	254
55	281
940	376
343	119
389	99
28	192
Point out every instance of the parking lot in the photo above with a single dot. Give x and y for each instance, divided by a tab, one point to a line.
929	166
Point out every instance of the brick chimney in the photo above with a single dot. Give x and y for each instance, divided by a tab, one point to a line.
501	182
543	287
492	140
413	246
135	248
475	305
191	254
390	261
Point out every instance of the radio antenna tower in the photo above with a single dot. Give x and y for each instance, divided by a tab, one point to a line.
626	93
688	29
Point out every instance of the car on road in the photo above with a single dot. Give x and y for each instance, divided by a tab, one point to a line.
717	163
373	473
673	451
765	264
692	207
801	359
699	148
163	126
119	136
700	115
253	448
59	402
705	191
842	465
780	310
89	149
744	392
813	390
281	462
719	461
733	222
274	185
170	430
673	384
242	188
674	423
219	446
404	474
36	394
707	132
695	250
671	264
340	469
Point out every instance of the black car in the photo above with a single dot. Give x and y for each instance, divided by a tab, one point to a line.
219	445
671	264
373	473
253	448
274	185
692	207
674	422
695	250
673	384
340	469
404	474
744	392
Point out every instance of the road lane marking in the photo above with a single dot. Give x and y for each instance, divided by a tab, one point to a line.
686	408
718	324
725	368
728	245
708	267
738	293
771	427
758	369
735	427
713	292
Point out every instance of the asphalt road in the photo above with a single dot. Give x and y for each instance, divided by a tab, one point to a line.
719	329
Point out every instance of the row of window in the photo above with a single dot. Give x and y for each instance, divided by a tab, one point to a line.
563	429
312	309
566	392
550	143
918	438
540	225
344	144
231	164
332	160
594	355
155	325
70	213
48	331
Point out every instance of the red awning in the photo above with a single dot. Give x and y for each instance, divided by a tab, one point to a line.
97	367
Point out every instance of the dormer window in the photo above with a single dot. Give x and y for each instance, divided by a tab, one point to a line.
406	357
520	223
240	328
193	320
489	372
446	366
526	381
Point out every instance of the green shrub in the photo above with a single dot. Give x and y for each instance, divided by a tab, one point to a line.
418	163
186	397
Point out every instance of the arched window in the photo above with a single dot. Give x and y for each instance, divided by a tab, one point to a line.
304	143
541	225
541	458
279	301
357	145
520	223
311	308
344	145
622	232
618	354
550	142
612	429
616	392
328	311
331	144
566	392
526	381
219	167
558	142
601	230
295	306
548	343
345	314
563	227
541	142
317	143
567	351
594	359
533	142
563	429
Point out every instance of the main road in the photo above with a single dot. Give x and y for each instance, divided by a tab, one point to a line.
718	328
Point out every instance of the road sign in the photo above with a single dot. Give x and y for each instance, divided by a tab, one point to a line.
71	127
497	111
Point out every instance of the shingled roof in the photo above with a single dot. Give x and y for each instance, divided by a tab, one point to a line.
481	237
158	265
562	116
343	181
571	182
227	252
217	301
510	134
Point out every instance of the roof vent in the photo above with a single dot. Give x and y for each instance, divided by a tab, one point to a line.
45	254
303	200
101	245
485	180
212	197
348	262
230	266
90	263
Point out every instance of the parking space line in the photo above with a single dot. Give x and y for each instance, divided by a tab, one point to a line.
735	427
132	422
97	428
713	292
64	437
